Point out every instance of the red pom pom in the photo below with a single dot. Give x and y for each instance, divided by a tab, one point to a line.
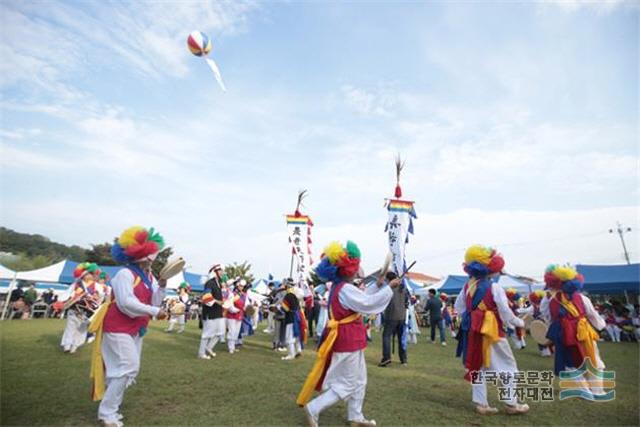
398	191
142	250
77	272
496	264
297	214
534	298
347	266
141	236
552	281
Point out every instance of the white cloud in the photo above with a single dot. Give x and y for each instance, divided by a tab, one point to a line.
599	6
376	102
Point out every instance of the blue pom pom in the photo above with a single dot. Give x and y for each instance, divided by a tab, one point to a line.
326	271
117	253
570	286
476	269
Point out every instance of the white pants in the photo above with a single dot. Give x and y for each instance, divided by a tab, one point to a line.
614	332
502	360
233	330
179	319
212	331
270	322
292	342
75	332
518	342
346	380
121	355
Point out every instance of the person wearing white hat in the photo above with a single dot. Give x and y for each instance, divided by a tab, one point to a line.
234	312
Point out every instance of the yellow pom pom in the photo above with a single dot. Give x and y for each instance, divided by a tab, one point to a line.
565	273
478	253
334	251
128	236
540	293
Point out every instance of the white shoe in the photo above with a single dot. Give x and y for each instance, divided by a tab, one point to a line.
288	357
363	423
91	339
486	410
181	331
444	343
211	353
113	423
282	349
312	421
205	357
73	350
516	409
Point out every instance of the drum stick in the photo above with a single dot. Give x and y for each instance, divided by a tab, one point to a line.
407	270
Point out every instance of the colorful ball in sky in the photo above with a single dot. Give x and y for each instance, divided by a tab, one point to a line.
199	44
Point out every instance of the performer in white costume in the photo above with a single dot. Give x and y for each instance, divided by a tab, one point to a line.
340	370
75	331
121	323
213	321
484	309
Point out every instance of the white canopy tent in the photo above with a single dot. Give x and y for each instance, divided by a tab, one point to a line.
49	274
6	274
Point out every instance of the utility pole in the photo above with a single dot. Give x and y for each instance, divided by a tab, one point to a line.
621	230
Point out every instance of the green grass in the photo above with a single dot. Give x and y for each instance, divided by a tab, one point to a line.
42	386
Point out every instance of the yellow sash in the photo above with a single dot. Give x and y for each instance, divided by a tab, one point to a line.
586	335
322	358
489	328
97	365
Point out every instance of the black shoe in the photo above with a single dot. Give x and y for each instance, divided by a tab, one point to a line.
384	363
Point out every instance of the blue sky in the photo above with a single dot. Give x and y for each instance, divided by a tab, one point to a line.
519	123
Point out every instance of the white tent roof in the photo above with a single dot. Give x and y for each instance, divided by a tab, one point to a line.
521	286
262	288
51	273
174	282
5	273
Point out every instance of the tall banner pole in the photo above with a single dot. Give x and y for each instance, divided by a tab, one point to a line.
299	227
401	214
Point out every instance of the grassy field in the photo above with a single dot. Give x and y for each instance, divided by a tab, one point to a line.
42	386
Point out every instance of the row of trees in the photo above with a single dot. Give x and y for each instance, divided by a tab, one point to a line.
22	252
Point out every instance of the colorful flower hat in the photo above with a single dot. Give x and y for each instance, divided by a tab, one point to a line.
536	297
563	277
480	261
186	286
136	244
84	268
339	263
512	294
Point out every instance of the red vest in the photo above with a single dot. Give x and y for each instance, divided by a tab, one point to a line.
116	321
477	315
239	302
351	336
568	323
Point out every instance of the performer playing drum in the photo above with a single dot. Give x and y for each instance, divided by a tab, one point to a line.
121	324
537	327
79	306
213	322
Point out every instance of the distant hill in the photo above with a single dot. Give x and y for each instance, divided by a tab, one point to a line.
36	247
